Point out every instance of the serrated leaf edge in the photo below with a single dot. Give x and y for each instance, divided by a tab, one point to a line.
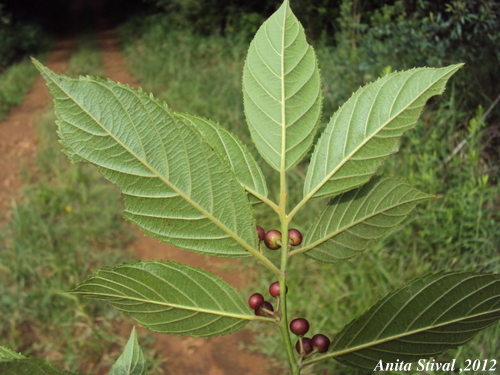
312	191
136	265
378	342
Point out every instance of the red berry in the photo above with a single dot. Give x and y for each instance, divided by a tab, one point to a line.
274	289
272	239
321	342
266	305
256	300
261	233
306	344
294	237
299	326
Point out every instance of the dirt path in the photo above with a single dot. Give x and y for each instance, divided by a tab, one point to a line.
185	355
180	355
18	139
18	142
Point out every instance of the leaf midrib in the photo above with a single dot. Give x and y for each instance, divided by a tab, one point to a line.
348	157
220	134
347	227
395	337
193	203
283	94
165	304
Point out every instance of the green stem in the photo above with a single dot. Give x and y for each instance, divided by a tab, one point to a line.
285	333
264	199
284	219
262	258
283	324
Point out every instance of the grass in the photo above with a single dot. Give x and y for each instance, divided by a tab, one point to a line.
458	230
15	83
87	59
68	221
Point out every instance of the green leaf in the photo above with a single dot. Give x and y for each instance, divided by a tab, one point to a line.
282	90
131	361
174	184
351	221
6	354
170	297
422	319
367	128
242	163
30	366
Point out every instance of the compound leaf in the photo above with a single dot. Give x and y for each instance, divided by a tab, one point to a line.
422	319
243	164
175	186
169	297
352	220
282	90
131	361
367	128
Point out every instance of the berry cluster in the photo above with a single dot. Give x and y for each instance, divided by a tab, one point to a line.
305	346
308	346
260	305
272	239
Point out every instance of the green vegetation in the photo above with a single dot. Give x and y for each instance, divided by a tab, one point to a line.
16	81
18	38
201	75
68	221
66	225
87	59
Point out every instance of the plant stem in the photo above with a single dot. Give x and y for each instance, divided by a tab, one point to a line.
264	260
283	324
285	333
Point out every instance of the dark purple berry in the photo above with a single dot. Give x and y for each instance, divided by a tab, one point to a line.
294	237
321	342
261	233
306	344
272	239
274	289
299	326
266	305
256	300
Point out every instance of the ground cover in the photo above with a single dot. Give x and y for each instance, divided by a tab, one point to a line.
50	242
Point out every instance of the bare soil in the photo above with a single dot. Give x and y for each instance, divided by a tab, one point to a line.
223	355
18	139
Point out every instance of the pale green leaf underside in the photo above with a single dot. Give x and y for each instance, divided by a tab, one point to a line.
243	164
131	361
174	184
8	354
282	90
353	220
170	297
367	128
30	366
420	320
